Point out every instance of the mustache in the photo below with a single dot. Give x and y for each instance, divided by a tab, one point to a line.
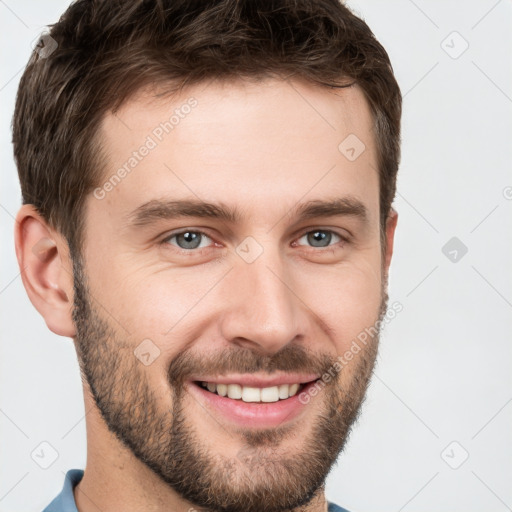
291	358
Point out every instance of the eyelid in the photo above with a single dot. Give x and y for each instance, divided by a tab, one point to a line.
342	233
345	238
201	231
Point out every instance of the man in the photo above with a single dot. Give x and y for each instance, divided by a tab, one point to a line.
207	192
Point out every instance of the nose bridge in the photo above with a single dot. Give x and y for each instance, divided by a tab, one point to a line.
264	312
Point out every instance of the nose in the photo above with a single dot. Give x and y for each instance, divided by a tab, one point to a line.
263	312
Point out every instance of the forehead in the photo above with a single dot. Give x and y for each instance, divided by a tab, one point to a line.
267	143
239	107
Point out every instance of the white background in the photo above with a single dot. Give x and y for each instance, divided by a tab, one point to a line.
445	365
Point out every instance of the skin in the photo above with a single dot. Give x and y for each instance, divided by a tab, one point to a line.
263	148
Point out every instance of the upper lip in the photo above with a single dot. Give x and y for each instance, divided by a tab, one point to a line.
258	381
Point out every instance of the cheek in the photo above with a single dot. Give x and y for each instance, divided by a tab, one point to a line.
348	299
170	306
166	306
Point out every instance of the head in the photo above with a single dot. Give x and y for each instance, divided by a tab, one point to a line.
207	193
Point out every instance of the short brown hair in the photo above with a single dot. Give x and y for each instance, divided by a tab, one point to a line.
106	50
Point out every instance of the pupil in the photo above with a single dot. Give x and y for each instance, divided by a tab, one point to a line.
191	239
319	236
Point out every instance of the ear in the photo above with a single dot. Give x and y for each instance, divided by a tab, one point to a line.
46	270
391	222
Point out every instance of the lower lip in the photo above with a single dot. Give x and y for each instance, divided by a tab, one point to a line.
252	414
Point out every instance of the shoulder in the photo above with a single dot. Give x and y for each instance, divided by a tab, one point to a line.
332	507
65	500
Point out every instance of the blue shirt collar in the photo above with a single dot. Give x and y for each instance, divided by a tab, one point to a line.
65	501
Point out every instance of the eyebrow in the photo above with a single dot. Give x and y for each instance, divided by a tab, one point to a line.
158	209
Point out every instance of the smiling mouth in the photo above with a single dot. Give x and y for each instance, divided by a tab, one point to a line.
251	394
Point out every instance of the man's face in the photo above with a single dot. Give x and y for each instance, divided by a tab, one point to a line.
164	303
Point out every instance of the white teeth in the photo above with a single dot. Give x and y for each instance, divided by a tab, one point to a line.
293	389
270	394
284	391
252	394
222	389
234	391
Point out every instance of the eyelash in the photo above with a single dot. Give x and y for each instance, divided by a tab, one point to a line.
343	240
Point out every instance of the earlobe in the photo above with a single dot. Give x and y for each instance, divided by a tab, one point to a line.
46	270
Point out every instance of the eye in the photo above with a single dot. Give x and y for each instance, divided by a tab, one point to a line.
322	238
188	240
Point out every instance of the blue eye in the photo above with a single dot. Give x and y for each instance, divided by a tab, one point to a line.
188	240
321	237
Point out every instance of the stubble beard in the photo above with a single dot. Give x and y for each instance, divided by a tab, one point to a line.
261	477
